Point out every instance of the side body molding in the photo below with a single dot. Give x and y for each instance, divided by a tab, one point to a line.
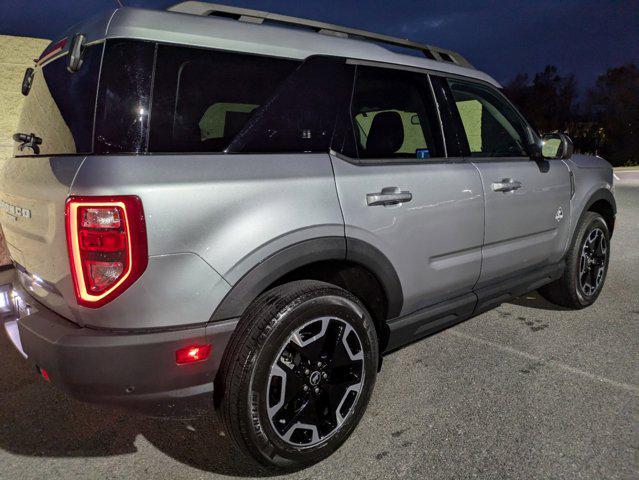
305	253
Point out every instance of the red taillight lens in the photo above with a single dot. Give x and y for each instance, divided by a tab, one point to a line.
192	354
107	246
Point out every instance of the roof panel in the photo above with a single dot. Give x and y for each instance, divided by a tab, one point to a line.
264	39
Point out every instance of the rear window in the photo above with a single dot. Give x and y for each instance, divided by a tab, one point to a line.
60	106
202	99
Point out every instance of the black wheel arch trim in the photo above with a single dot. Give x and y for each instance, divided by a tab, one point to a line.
363	253
601	194
290	258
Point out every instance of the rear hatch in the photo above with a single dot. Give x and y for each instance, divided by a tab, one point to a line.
58	113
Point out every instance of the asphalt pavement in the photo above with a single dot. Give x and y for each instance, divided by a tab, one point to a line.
525	391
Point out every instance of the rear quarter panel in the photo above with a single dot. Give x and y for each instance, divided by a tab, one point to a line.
224	214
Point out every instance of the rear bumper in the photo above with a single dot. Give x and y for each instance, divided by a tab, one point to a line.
136	370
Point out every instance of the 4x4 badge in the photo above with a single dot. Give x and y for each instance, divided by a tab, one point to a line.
559	215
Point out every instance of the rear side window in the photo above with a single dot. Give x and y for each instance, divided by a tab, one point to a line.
121	122
60	106
301	115
394	115
202	99
492	126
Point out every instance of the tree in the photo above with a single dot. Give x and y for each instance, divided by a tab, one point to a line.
549	101
608	123
613	104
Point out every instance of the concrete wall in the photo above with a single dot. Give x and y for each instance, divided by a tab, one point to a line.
16	54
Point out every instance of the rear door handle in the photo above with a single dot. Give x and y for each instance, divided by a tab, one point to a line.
506	185
388	196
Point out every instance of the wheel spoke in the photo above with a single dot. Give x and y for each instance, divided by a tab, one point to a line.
592	263
333	338
345	376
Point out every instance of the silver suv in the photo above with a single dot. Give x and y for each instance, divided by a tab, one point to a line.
220	209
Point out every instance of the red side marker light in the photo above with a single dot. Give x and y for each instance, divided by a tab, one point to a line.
192	354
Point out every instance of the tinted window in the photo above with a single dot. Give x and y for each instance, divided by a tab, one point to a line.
394	115
300	117
202	99
123	100
60	106
493	128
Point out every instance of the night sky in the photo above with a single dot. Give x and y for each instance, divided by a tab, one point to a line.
502	38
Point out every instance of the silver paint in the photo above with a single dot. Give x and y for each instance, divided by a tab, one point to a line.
434	241
212	217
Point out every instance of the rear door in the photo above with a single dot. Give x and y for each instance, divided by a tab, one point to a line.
401	194
527	201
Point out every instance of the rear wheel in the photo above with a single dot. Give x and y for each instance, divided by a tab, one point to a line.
298	373
586	265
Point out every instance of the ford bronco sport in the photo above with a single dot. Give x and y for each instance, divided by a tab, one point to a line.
218	209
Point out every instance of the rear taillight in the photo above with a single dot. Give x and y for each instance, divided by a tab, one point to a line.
107	246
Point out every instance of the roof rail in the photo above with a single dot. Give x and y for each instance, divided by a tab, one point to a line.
258	16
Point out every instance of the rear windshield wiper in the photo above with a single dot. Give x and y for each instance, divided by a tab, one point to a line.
28	140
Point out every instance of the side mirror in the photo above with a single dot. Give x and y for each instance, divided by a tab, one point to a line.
27	81
556	146
75	53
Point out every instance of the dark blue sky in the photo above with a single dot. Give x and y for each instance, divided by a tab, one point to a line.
501	37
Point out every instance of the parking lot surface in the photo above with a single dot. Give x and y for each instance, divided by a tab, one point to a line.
524	391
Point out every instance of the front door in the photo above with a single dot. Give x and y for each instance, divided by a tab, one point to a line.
399	192
527	201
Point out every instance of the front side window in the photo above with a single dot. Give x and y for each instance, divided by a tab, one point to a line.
491	125
394	115
202	98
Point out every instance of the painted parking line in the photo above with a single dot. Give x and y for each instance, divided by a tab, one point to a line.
634	389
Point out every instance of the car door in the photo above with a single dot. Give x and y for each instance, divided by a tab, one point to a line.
401	194
527	200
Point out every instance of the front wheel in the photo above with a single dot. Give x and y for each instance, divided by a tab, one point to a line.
586	265
298	373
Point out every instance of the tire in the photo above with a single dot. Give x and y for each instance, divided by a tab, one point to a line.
281	406
586	265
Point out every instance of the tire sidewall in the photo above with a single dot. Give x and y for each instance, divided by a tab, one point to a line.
295	315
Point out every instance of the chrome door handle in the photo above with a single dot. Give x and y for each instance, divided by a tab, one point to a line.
506	185
388	196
